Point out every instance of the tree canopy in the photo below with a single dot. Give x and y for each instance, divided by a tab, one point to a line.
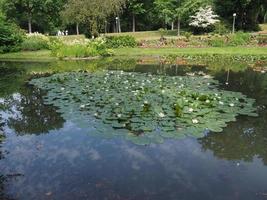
48	16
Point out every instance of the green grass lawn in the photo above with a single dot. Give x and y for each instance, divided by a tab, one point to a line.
45	55
42	55
146	35
191	51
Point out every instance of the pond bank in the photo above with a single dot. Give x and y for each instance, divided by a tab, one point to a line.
259	53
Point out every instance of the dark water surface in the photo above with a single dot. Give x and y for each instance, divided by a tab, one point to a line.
45	157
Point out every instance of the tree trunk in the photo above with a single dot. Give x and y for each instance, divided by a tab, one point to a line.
178	27
172	26
77	29
30	24
133	22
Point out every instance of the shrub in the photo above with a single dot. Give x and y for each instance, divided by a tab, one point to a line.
89	49
11	37
187	35
239	39
221	28
217	42
120	41
262	39
35	42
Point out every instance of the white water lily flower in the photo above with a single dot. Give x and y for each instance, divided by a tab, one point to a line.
191	110
207	101
163	91
195	121
62	88
145	102
82	106
119	115
231	104
96	114
117	104
221	103
161	115
107	90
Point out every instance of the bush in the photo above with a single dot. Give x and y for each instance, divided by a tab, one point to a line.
239	39
221	29
217	42
91	49
11	37
120	41
35	42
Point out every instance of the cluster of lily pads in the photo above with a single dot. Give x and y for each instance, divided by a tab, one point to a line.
144	108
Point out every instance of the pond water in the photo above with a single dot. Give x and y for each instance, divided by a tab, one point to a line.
45	156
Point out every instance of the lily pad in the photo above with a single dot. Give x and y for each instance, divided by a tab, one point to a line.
144	108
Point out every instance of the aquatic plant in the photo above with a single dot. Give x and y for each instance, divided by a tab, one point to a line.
144	108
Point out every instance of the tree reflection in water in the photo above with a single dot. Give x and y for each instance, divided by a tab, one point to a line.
29	115
247	138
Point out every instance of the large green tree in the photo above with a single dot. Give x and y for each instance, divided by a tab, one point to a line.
44	14
73	13
92	12
247	11
136	7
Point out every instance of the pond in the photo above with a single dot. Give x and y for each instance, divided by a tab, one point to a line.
46	154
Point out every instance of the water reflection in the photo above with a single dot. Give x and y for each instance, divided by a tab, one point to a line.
27	113
68	163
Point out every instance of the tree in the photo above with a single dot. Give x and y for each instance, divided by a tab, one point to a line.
166	10
204	18
73	13
41	13
102	10
248	12
136	8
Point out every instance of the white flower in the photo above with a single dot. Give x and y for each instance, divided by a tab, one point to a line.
190	109
231	104
204	18
195	121
207	101
221	103
145	102
96	114
117	104
161	115
119	115
82	106
62	88
163	91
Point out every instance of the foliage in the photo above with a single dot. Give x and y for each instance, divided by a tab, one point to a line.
148	108
34	42
11	37
79	50
239	38
221	28
120	41
204	18
247	12
34	14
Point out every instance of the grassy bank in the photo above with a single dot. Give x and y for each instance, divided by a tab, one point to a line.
255	51
224	51
42	55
